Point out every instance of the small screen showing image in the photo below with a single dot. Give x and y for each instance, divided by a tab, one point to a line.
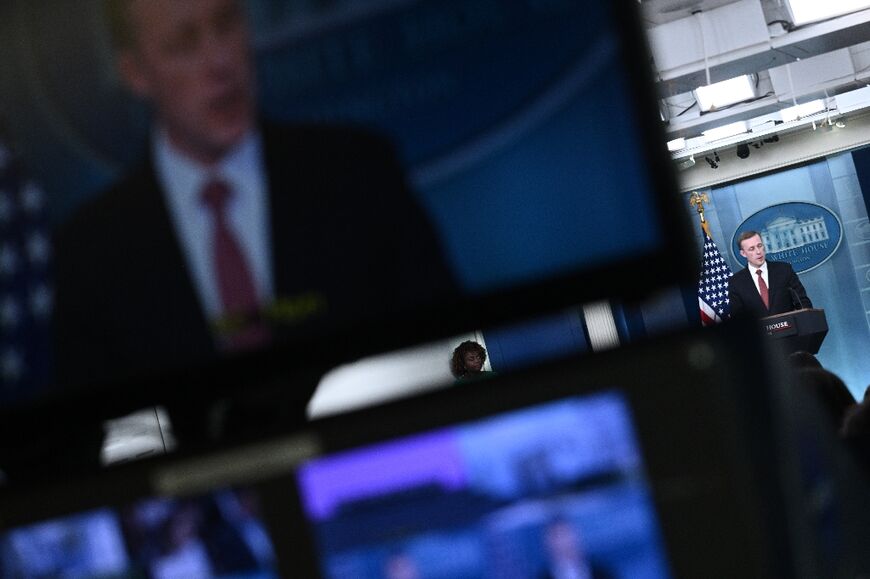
556	490
83	545
215	535
218	535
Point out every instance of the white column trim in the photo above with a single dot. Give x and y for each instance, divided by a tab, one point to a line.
601	326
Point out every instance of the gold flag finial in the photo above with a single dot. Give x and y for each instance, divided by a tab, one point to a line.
697	201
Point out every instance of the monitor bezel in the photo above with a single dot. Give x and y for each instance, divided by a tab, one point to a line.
300	363
704	415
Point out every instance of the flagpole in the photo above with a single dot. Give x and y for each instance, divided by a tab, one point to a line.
697	201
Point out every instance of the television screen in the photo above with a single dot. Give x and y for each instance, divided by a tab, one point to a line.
215	535
193	180
552	490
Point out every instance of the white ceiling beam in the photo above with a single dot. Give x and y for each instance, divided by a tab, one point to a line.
738	41
811	78
727	34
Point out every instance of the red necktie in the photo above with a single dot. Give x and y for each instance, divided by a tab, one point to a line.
241	328
762	289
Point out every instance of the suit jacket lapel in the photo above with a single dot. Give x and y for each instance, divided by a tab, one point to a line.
285	245
775	282
176	294
296	199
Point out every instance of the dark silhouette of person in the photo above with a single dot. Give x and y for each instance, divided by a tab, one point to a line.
803	359
830	391
855	432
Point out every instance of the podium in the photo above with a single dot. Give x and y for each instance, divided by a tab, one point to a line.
797	330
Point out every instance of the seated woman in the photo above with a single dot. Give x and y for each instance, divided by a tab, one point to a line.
467	361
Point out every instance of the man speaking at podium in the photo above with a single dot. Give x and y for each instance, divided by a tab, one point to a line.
233	228
764	288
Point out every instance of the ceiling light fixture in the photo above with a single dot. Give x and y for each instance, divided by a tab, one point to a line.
806	11
800	111
676	145
725	131
725	93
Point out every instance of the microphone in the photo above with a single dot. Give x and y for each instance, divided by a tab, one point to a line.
795	299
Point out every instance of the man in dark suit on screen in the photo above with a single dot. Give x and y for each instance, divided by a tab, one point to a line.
764	288
233	232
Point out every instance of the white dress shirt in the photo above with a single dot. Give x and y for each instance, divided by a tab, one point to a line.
753	269
182	180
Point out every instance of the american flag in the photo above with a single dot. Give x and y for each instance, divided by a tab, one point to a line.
713	285
25	291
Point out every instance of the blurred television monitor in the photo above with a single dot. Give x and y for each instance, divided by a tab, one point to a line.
218	534
654	459
418	169
555	488
668	459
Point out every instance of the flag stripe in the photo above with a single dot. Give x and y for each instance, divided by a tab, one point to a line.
708	316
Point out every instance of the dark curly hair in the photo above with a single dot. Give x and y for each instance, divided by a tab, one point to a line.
457	363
